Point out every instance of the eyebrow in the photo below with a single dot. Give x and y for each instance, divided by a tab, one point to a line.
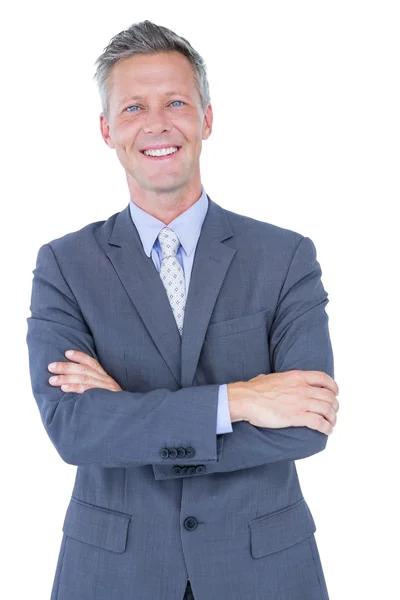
135	98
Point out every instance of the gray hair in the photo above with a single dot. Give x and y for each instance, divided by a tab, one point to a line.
147	38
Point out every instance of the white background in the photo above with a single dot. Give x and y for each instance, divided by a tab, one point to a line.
306	136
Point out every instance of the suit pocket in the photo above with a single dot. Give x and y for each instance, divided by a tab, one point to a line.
282	529
237	325
235	350
96	525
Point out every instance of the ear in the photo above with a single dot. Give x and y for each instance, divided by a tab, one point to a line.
105	131
207	123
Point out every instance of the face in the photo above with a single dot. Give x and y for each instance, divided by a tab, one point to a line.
154	102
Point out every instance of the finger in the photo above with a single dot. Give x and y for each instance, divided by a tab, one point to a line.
319	423
82	387
66	368
320	393
320	407
314	421
71	379
320	379
84	359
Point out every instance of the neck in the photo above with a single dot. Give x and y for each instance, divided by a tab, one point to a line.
164	205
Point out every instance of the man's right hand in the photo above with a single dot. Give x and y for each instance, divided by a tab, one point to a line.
292	398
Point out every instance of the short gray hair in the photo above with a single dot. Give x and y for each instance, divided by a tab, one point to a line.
147	38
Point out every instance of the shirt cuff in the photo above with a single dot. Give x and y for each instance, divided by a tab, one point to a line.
224	424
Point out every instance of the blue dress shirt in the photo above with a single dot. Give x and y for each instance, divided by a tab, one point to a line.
187	226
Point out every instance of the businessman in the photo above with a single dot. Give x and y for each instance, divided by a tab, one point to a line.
201	365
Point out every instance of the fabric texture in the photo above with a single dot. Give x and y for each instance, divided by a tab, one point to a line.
159	497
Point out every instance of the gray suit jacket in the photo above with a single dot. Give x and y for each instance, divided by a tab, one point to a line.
158	496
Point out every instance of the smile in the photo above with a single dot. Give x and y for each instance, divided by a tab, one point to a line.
163	155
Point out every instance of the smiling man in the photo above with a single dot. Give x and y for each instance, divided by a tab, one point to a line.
180	357
156	124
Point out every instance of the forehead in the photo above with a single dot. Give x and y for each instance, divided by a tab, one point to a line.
165	73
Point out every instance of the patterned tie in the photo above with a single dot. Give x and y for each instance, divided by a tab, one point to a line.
172	275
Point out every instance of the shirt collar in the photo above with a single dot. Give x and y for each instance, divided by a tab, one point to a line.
187	225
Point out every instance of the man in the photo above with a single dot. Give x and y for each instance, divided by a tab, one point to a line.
202	365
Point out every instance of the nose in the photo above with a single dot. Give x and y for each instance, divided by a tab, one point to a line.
156	121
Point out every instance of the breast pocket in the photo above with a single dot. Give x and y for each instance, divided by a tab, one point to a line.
235	349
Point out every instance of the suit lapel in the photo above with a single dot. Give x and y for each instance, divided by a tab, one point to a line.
211	262
142	282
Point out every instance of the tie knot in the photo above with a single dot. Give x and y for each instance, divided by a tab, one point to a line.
169	242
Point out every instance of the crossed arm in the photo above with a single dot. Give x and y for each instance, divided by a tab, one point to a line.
88	424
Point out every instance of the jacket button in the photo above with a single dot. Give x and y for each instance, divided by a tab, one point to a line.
191	469
172	452
200	469
164	453
190	523
181	452
176	470
190	452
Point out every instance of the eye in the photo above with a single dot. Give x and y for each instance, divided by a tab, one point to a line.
136	106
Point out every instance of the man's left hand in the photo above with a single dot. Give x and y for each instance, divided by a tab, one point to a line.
83	373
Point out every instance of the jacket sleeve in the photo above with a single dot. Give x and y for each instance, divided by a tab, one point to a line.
102	427
299	339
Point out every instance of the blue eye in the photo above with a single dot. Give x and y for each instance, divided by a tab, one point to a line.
136	106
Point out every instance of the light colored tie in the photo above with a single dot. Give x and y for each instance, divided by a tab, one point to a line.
172	275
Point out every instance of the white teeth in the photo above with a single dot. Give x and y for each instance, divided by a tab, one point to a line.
161	152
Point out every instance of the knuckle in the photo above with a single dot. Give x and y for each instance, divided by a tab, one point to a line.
320	423
332	397
296	373
303	389
324	378
311	419
292	375
326	408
